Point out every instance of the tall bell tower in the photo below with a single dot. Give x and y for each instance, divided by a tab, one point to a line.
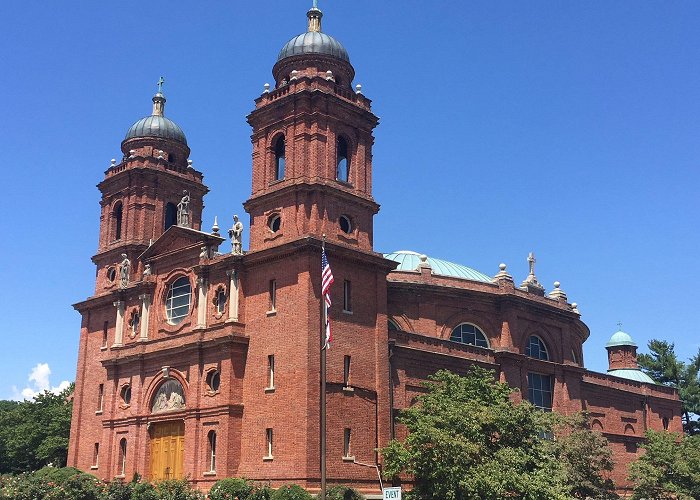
140	194
312	148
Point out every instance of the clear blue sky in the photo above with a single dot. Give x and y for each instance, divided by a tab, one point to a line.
571	129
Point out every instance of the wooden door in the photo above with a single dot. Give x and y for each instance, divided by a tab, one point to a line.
167	450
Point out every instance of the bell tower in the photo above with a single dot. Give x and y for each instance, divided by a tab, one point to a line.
312	148
141	193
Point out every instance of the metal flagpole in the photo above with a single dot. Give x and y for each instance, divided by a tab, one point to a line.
324	322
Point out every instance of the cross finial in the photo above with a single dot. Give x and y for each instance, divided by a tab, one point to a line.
531	260
161	81
315	4
619	325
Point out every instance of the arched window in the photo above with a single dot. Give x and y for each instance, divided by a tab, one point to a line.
122	457
220	300
169	396
170	215
535	348
117	216
469	334
177	302
343	160
211	449
279	158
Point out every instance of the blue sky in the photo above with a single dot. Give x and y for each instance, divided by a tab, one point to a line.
571	129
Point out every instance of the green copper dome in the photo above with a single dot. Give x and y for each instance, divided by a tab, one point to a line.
632	374
409	261
620	338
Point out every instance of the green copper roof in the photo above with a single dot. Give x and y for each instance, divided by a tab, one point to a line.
631	374
620	338
409	261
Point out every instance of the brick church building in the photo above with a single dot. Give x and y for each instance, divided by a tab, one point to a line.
200	360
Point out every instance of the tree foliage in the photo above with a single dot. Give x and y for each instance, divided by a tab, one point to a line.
468	440
669	467
34	433
665	368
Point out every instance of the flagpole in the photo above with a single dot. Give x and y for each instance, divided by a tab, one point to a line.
324	321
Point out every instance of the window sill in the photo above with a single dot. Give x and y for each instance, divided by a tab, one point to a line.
103	348
98	412
268	458
94	467
269	390
272	312
209	473
348	389
120	476
349	459
347	312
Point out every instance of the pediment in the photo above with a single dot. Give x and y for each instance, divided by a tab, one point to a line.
177	238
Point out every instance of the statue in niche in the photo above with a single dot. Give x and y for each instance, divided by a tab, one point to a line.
124	270
183	210
236	235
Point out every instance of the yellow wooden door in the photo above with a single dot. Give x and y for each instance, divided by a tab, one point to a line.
167	451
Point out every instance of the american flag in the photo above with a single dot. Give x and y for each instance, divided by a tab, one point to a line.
326	282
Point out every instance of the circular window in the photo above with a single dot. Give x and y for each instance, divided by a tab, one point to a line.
177	302
213	380
125	394
111	274
274	223
345	224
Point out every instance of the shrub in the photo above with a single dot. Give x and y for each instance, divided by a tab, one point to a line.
342	492
291	492
230	488
261	493
82	486
177	489
134	490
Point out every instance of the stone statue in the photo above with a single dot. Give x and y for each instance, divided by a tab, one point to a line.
124	270
183	210
236	234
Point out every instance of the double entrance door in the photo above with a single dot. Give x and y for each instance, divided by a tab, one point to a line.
167	450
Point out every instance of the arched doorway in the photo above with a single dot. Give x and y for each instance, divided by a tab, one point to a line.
167	450
167	438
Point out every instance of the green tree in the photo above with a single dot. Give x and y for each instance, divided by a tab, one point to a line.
468	440
586	458
34	433
665	368
669	467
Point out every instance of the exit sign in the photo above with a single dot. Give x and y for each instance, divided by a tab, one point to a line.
392	493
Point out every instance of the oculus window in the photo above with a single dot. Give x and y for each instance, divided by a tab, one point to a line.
177	302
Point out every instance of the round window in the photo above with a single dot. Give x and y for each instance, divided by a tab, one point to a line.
126	394
214	380
111	274
345	224
274	223
177	302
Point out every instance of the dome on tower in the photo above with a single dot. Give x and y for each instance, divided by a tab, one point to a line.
313	41
157	125
620	338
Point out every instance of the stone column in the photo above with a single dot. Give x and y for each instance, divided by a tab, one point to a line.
145	307
119	329
233	295
202	286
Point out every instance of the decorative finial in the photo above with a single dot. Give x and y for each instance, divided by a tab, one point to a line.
358	88
215	227
159	100
531	284
114	162
619	326
267	88
557	293
189	164
502	274
574	307
314	14
329	75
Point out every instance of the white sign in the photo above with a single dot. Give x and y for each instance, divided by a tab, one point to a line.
392	493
